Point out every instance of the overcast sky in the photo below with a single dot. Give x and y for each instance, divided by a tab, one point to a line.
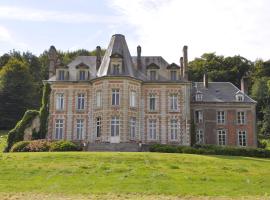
161	27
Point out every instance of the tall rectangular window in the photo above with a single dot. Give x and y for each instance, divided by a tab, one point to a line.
220	117
152	102
115	126
132	128
241	117
153	75
98	126
221	136
198	116
132	99
79	129
98	99
116	69
61	75
173	129
82	75
173	76
242	138
115	97
60	101
173	102
152	129
59	129
80	101
199	136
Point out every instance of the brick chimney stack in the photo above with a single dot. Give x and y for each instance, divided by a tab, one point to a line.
139	61
205	80
181	66
53	59
98	57
244	84
185	62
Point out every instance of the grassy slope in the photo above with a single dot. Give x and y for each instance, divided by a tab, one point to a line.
3	138
83	173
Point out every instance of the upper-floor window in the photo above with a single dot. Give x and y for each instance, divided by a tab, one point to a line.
199	136
79	129
59	129
221	117
61	75
152	102
242	138
82	75
80	101
60	101
116	69
132	128
173	75
98	99
152	127
173	129
153	75
115	126
239	97
198	97
115	97
173	102
132	99
198	116
98	126
241	117
221	136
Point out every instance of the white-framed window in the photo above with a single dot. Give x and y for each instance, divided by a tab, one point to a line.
80	101
60	101
199	97
241	118
61	75
220	117
239	97
82	75
152	102
152	129
173	102
98	126
173	75
79	129
98	99
115	97
59	129
242	138
198	116
132	128
132	99
116	69
153	75
221	136
115	126
199	136
173	129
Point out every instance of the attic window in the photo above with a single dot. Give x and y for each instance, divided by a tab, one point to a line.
198	97
116	69
153	75
239	97
173	75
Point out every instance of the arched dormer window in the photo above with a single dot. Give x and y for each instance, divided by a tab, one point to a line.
152	71
116	64
239	96
82	72
173	72
62	73
198	96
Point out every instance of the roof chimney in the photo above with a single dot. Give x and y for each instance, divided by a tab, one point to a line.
181	67
53	58
185	61
244	84
205	80
139	61
98	57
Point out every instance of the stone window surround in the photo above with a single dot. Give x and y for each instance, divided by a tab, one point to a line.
199	136
221	132
217	117
238	137
243	121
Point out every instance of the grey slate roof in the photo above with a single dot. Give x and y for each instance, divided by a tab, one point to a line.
218	92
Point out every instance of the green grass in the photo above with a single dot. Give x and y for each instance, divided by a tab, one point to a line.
86	173
3	139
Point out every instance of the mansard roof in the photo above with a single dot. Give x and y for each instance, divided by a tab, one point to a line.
218	92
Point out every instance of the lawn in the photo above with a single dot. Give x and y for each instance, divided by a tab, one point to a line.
79	175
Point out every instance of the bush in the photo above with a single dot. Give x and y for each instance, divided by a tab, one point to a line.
63	146
39	146
21	146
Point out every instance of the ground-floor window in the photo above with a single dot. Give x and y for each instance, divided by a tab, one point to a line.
79	129
199	136
115	124
242	138
173	129
98	126
132	128
221	135
152	129
59	129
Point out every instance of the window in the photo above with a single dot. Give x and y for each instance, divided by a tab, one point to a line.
152	129
199	136
79	129
115	97
173	102
82	76
239	97
98	99
115	124
116	69
199	97
173	129
61	75
80	102
59	129
221	117
60	101
98	126
221	137
153	75
152	102
242	138
241	117
173	75
198	116
132	129
132	99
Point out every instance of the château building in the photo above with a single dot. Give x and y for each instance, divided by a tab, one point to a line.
129	100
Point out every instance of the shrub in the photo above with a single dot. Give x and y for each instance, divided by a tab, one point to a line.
38	146
63	146
21	146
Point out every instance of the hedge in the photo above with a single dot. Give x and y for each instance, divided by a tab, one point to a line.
212	150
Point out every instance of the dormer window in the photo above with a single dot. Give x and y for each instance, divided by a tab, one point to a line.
198	96
61	75
116	64
153	75
173	70
82	72
152	71
173	75
62	72
239	97
116	69
82	75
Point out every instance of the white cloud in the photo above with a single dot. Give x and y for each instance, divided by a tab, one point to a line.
4	34
226	27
